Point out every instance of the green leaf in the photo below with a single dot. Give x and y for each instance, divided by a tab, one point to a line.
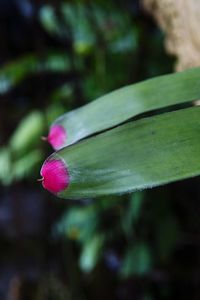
137	260
133	213
13	73
5	166
91	253
79	223
28	133
120	105
49	20
135	156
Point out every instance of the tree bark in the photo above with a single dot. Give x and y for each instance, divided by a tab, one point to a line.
180	21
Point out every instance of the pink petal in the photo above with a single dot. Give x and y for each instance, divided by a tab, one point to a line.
55	176
57	136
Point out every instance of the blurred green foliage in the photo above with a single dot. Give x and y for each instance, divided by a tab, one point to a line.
105	55
103	46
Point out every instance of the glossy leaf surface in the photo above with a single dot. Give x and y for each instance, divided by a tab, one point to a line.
138	155
127	102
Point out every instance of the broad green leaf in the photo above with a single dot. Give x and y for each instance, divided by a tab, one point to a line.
28	133
120	105
138	155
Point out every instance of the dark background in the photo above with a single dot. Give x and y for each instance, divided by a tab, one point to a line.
55	56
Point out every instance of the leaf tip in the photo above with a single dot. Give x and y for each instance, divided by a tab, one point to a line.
57	136
55	176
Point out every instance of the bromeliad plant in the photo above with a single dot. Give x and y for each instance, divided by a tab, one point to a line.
136	154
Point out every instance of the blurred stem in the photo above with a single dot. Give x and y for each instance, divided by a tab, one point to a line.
100	67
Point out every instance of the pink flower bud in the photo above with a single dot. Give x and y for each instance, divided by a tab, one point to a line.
57	136
55	176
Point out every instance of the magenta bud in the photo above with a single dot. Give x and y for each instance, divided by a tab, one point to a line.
55	176
57	136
